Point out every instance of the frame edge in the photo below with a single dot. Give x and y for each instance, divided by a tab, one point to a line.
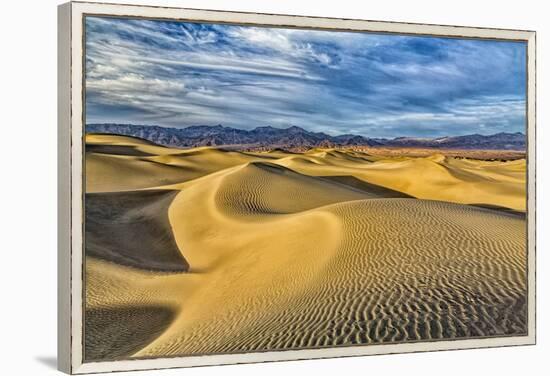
532	184
64	188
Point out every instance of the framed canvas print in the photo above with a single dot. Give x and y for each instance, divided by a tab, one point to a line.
239	187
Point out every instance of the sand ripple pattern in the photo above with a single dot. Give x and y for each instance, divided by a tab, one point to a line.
292	251
402	270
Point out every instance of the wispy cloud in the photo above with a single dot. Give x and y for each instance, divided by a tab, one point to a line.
180	74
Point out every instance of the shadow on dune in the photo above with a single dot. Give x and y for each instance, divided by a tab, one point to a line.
501	210
353	182
114	333
116	150
132	229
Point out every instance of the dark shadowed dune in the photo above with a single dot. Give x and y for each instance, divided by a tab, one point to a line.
117	150
361	185
501	209
132	229
113	333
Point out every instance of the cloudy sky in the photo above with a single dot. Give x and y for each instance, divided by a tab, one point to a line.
180	74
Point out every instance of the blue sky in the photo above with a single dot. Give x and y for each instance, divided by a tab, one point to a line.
180	74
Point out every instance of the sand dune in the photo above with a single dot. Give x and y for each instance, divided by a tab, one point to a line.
129	228
437	178
223	251
434	177
120	163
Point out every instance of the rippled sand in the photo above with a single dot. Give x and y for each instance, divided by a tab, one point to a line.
210	251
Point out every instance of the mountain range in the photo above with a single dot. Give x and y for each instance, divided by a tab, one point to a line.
296	137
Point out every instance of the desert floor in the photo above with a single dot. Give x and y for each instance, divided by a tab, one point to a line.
213	251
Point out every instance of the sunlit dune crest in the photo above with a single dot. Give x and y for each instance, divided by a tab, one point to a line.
238	251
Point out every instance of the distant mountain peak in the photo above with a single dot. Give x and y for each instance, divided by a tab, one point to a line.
295	128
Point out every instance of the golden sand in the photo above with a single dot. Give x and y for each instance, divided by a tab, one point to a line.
283	251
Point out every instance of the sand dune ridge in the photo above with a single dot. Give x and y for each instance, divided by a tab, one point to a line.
216	251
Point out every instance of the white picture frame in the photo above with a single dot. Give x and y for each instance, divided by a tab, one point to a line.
70	181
